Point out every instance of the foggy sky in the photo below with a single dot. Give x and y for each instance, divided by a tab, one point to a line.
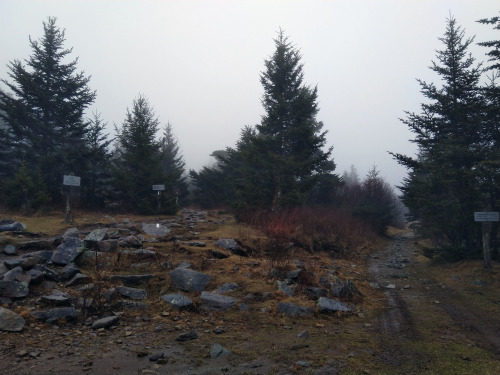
199	61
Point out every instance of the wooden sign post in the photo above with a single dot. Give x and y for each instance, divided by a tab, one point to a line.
158	188
71	187
486	218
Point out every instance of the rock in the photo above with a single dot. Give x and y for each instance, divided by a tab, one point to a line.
47	272
187	336
218	254
156	356
293	275
315	293
79	279
69	271
155	230
13	262
303	335
43	256
37	244
94	237
303	364
213	301
132	293
57	298
29	263
195	243
131	305
105	322
13	289
231	245
282	286
12	274
35	275
12	226
107	246
218	351
226	287
3	269
326	306
131	280
10	321
130	241
51	316
71	232
292	309
177	300
68	251
10	250
189	280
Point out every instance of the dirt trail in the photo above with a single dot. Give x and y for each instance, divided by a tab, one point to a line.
415	302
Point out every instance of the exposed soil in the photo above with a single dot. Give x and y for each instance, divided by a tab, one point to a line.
415	318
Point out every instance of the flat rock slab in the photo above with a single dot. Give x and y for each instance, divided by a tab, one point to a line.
294	310
51	316
95	236
12	227
189	280
214	301
226	287
131	293
132	280
10	321
13	289
177	300
155	229
218	350
12	274
79	279
187	336
68	251
105	322
326	306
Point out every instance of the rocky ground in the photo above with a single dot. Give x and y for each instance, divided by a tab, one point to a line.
239	321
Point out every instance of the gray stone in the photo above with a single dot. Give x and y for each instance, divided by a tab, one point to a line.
187	336
218	350
131	293
12	274
292	309
131	280
105	322
71	232
47	272
194	243
12	227
37	244
10	321
68	251
69	271
226	287
3	269
13	289
189	280
95	236
51	316
326	305
57	298
284	288
13	262
293	275
79	279
43	256
29	263
10	250
315	293
213	301
36	276
131	305
155	230
227	243
130	241
303	335
177	300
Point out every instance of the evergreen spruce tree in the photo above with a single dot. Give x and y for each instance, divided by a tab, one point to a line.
173	165
442	188
137	165
98	174
44	111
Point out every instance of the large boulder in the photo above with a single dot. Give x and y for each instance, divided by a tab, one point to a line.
155	230
13	289
10	321
11	226
68	251
189	280
214	301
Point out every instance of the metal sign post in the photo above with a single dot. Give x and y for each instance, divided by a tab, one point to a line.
158	188
486	218
71	187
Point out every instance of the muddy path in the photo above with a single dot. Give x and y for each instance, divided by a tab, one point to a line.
424	312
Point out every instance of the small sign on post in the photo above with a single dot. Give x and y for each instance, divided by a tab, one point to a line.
486	218
71	187
158	188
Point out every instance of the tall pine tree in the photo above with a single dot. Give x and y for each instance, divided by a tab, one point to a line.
44	111
442	187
